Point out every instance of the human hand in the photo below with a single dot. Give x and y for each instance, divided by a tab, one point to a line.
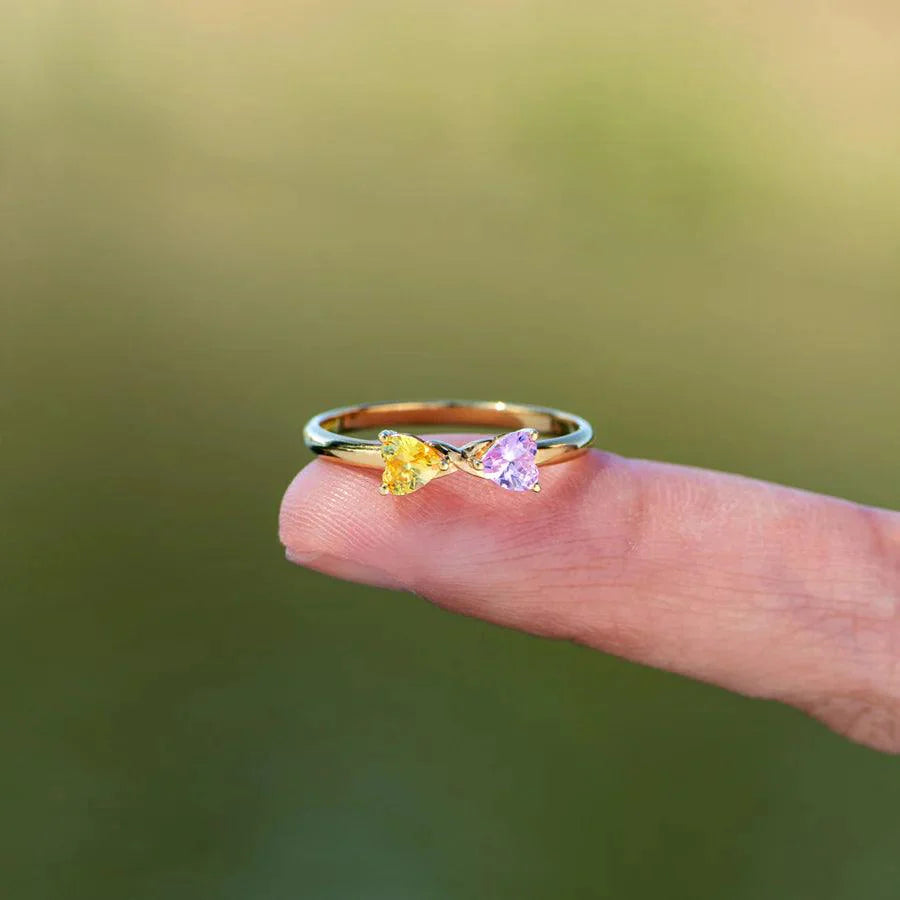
765	590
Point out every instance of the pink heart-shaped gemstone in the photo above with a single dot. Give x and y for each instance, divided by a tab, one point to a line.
510	461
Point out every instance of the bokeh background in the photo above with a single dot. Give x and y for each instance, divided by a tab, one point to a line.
680	218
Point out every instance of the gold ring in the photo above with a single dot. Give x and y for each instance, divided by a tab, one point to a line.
509	460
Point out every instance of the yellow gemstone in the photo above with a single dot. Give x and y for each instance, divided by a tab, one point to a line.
408	463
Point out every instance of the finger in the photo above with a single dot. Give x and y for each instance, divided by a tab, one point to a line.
762	589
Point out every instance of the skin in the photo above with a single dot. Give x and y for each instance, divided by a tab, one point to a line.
767	591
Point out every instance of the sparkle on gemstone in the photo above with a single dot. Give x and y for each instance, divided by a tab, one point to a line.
408	463
510	461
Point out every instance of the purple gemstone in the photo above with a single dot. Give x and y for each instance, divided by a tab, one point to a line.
509	461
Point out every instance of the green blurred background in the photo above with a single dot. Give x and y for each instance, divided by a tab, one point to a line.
680	218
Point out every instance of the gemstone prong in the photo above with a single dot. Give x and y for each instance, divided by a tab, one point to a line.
383	490
384	435
536	488
535	434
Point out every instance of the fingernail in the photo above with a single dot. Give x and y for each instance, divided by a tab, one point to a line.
348	569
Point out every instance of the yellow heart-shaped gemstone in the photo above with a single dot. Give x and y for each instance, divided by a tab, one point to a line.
408	463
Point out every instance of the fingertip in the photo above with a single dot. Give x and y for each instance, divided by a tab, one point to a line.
334	519
345	569
319	505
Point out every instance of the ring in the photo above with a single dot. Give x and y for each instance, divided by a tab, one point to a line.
509	460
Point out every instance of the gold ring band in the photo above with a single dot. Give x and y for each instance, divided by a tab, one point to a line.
539	436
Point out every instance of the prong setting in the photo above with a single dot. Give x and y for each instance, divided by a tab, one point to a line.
409	462
509	460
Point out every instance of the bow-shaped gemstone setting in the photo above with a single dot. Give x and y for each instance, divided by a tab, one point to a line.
509	461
